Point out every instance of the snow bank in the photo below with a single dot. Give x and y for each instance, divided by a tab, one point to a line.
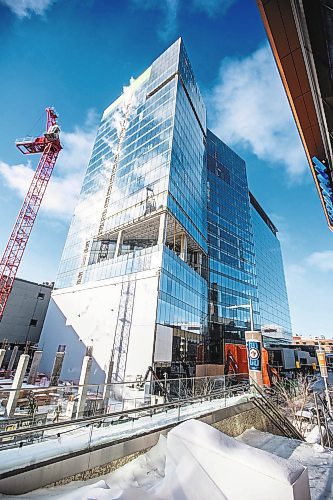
195	462
202	462
318	460
314	435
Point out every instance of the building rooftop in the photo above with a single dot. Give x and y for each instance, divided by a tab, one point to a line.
262	213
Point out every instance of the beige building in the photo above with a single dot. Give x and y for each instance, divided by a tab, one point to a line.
326	344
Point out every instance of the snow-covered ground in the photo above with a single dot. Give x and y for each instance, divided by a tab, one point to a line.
194	462
80	438
318	460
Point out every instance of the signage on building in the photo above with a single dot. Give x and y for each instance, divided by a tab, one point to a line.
321	355
325	182
254	355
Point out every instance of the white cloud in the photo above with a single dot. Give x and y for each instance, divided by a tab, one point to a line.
321	261
64	186
171	8
24	8
310	296
249	109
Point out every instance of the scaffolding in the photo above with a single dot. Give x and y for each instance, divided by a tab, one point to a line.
123	330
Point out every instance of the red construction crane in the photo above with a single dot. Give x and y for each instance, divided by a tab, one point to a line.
49	145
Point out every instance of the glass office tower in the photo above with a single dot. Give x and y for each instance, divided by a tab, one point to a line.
232	271
132	281
272	291
160	246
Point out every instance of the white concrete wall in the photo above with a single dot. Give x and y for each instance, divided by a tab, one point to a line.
79	314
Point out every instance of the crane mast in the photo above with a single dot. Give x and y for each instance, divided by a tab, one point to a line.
49	146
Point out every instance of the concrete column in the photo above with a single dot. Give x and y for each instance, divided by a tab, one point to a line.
119	243
254	356
107	386
84	380
34	367
56	370
162	228
183	247
2	355
17	384
12	358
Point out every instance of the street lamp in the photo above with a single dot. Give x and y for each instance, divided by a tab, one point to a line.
245	306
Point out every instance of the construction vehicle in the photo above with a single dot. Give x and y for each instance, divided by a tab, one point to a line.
48	145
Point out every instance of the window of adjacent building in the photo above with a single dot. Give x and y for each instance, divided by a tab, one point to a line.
33	322
41	296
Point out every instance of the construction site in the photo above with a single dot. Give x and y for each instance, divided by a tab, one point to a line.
166	337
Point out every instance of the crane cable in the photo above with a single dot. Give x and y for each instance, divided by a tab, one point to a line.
34	126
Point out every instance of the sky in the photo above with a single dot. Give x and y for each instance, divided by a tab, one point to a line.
77	55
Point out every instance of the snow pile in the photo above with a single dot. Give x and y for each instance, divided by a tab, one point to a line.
314	435
202	462
318	460
195	462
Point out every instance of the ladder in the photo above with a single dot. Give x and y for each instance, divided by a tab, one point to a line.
123	330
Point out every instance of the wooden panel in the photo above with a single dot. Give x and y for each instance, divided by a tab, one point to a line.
310	142
319	143
277	28
291	75
302	112
308	99
289	24
301	71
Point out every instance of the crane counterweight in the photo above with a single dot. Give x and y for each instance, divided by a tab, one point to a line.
49	146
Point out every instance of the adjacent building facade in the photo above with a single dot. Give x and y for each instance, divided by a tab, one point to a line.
232	272
161	241
300	33
23	318
322	343
272	291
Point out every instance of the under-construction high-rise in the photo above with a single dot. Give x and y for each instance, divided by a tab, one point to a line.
134	279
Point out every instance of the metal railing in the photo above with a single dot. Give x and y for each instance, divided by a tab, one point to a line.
268	407
53	405
54	439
